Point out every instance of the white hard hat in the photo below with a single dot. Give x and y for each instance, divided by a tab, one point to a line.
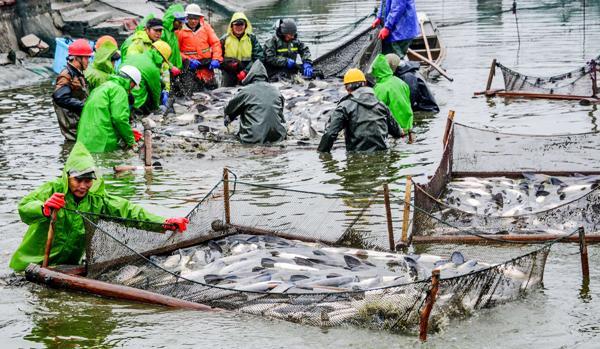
193	9
132	72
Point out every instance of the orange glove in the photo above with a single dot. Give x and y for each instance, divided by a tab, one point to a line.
376	22
137	135
384	33
241	76
177	224
55	202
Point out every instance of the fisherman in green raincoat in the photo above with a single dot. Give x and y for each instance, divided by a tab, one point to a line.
148	31
394	93
107	53
77	189
104	124
172	21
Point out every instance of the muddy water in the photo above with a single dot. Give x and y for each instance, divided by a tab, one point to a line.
551	39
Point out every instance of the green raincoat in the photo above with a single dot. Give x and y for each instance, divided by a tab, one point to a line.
148	64
68	245
168	35
104	123
129	41
393	92
99	71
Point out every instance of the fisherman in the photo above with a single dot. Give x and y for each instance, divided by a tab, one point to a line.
420	96
400	25
141	41
162	52
104	124
106	55
365	120
147	97
200	50
172	21
394	93
282	50
240	49
71	91
77	190
260	108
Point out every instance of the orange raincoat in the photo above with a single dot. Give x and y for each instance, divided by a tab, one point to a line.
201	44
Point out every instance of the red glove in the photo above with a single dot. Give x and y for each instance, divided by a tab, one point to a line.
137	135
176	223
384	33
175	71
55	202
376	22
241	76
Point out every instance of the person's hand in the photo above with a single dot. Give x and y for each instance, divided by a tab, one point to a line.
194	64
176	223
175	71
241	76
384	33
164	97
307	70
290	64
55	202
214	64
137	135
226	120
376	22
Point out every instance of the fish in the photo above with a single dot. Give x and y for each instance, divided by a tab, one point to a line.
127	273
457	258
270	263
352	262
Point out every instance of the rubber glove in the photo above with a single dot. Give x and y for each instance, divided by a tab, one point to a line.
376	22
137	135
175	71
291	64
241	76
308	70
384	33
176	223
226	120
55	202
194	64
164	97
214	64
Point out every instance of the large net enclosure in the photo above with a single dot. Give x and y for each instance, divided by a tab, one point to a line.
578	82
305	257
499	183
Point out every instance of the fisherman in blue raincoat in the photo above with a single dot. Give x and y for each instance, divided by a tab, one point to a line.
400	25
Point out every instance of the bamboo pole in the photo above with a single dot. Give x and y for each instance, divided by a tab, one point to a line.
449	122
406	213
489	239
435	66
430	301
491	75
521	94
585	268
388	216
50	239
424	36
148	148
226	195
35	273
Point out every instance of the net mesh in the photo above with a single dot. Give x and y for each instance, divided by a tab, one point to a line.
578	82
329	219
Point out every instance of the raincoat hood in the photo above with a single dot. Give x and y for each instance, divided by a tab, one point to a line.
103	55
168	35
235	17
365	96
80	160
258	72
380	68
169	16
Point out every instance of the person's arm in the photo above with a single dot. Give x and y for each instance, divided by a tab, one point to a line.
271	56
337	122
235	107
63	96
304	52
30	207
215	44
180	35
258	53
165	77
397	9
119	114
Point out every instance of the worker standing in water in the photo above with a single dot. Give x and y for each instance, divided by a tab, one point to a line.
400	25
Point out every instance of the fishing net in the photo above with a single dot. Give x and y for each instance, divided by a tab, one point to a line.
476	153
578	82
328	219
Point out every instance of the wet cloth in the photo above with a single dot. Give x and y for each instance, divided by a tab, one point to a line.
277	52
420	96
260	108
147	96
239	53
365	120
99	71
68	245
393	92
70	92
104	124
201	44
400	17
168	34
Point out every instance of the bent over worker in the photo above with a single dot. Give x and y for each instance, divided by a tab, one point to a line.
77	189
70	90
400	25
283	49
365	120
104	124
107	54
260	108
240	49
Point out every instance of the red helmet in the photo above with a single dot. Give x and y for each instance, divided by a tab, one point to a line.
80	47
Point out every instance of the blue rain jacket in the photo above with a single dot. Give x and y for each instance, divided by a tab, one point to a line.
400	17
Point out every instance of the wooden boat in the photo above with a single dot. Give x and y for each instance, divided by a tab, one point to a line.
427	45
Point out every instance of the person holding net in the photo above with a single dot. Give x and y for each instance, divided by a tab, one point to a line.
57	202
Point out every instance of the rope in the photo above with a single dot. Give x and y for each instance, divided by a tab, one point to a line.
528	135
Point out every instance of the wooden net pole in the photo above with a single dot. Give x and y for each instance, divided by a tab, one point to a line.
585	268
388	216
449	122
491	75
49	240
226	195
430	300
406	211
147	147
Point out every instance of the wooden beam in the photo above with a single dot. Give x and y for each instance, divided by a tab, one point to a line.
491	75
521	94
488	239
435	66
512	174
388	216
406	211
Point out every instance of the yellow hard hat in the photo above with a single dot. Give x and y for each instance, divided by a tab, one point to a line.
163	48
354	75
